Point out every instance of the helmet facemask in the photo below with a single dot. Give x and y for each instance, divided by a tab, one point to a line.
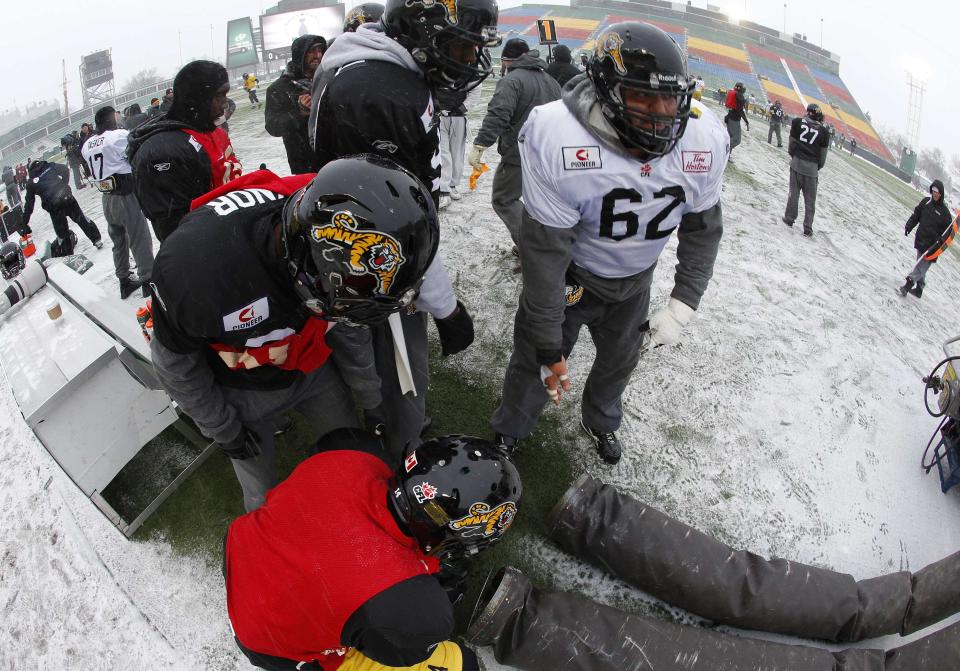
12	261
430	30
615	68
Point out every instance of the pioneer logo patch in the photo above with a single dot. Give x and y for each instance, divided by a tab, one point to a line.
247	316
697	161
581	158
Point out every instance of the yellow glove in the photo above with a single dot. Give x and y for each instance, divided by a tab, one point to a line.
475	175
476	156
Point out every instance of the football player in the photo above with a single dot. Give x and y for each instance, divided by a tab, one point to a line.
354	565
808	146
106	155
610	171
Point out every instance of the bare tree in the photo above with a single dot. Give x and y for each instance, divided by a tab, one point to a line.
141	79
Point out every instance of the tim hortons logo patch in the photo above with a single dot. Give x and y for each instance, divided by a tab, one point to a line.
697	161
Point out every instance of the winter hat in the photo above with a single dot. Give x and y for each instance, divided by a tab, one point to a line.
195	86
562	54
514	49
105	118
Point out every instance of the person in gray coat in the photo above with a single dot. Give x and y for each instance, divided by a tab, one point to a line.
525	86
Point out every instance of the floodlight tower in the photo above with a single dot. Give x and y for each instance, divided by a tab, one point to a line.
914	108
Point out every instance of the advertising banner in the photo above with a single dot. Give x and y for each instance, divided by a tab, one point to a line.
280	30
240	48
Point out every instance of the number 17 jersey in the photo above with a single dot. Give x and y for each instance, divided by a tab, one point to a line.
623	209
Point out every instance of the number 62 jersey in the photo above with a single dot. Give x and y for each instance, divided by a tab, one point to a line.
624	209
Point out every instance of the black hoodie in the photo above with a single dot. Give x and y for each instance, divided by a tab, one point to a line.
930	218
170	168
282	116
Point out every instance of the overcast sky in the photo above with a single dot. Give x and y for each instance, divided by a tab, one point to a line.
875	39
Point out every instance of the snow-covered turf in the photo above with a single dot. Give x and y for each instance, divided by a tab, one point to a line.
789	421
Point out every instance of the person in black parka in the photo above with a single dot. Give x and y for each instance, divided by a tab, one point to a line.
932	220
288	103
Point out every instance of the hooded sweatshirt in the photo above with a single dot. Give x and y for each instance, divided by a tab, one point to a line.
547	248
562	69
523	88
282	116
931	218
370	97
182	154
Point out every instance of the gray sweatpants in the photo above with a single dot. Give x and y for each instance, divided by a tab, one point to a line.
733	129
453	140
505	197
808	185
321	397
919	272
615	329
774	130
403	413
128	230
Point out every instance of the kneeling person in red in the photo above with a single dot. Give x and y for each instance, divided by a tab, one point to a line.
246	290
351	565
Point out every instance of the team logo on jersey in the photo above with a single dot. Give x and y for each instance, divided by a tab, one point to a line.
645	170
610	44
424	492
486	521
450	5
572	293
161	167
247	316
370	252
697	161
581	158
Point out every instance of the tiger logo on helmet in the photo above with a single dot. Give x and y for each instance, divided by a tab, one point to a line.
450	5
610	44
369	252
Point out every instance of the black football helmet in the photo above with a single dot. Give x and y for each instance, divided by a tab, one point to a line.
427	28
368	12
814	112
457	495
641	57
358	239
11	260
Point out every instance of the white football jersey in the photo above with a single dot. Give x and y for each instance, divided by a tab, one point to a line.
623	209
106	154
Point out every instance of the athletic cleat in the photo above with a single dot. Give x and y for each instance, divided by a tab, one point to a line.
128	286
455	193
444	201
808	234
607	443
788	223
509	445
907	286
917	291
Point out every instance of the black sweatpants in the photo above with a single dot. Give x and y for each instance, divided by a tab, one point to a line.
71	208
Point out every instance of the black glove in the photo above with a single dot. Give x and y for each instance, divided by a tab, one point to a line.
456	331
906	231
244	446
453	579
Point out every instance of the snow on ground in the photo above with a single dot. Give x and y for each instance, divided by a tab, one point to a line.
789	421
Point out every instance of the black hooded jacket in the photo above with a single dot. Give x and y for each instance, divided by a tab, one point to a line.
562	69
170	169
930	218
282	116
51	183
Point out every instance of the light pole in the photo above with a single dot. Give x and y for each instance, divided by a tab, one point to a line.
821	32
784	18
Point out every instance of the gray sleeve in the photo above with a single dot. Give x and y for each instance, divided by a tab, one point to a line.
698	243
545	253
190	382
352	352
499	112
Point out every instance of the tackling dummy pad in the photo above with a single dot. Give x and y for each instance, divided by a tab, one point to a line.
535	630
684	567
